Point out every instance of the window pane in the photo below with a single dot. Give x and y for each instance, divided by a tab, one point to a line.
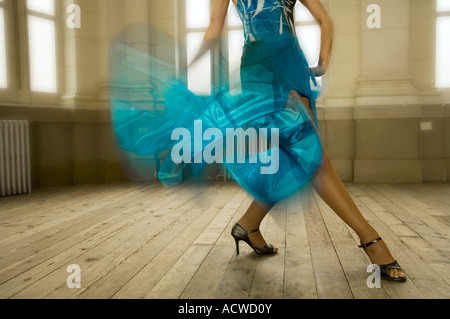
3	71
235	48
42	6
197	13
309	38
443	5
42	54
302	14
233	16
443	52
199	74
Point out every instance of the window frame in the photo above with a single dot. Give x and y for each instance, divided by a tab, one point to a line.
18	92
2	6
7	94
445	90
183	55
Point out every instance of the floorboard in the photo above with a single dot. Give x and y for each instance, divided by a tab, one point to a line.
147	241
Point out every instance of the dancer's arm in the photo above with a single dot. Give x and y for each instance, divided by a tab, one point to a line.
322	17
218	14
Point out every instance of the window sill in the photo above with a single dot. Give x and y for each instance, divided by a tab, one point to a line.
445	95
34	106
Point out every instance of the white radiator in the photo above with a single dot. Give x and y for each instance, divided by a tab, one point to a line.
15	174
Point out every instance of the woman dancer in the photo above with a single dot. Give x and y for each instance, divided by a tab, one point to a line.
261	20
278	92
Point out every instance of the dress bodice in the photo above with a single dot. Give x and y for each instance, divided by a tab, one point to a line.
266	18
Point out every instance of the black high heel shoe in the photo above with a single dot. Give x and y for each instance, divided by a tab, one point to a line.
386	269
239	233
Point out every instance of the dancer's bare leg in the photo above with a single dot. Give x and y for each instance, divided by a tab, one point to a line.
330	188
252	220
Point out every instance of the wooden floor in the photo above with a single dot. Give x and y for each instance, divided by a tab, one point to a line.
133	241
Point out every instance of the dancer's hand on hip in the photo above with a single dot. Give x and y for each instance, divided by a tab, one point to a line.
318	71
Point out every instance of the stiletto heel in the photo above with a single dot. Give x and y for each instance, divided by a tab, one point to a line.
239	233
386	269
237	245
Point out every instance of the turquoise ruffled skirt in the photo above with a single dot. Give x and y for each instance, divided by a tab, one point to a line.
150	103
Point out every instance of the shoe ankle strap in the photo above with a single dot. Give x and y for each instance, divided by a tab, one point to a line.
371	243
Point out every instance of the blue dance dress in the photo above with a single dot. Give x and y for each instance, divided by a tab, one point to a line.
149	105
